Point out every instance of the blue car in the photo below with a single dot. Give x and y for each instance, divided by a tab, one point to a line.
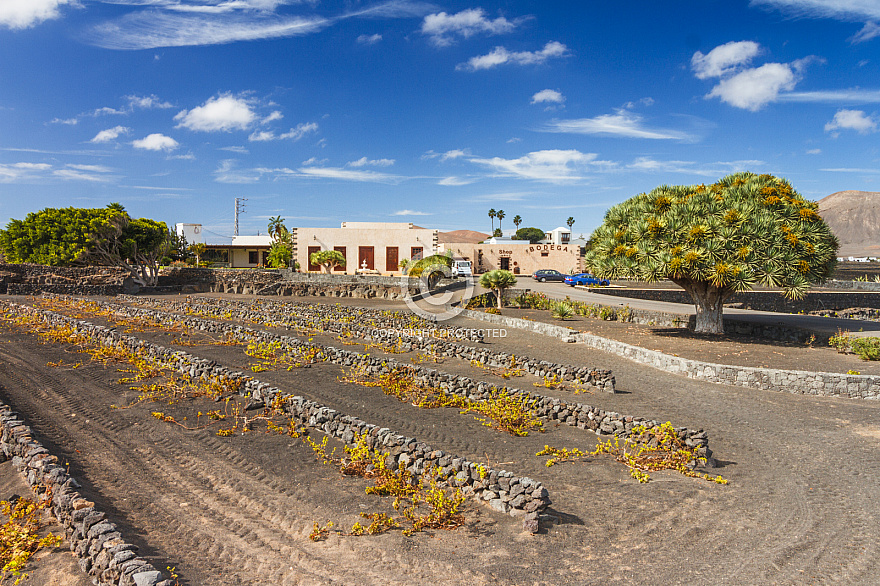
585	279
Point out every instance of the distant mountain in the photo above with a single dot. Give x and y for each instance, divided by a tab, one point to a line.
854	217
461	237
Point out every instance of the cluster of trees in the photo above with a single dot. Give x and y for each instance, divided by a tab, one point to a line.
531	234
104	236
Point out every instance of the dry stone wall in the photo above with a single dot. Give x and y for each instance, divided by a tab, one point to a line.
790	381
553	409
386	330
103	552
30	279
505	492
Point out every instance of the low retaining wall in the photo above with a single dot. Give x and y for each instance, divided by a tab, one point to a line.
31	279
789	381
385	332
282	282
104	554
575	414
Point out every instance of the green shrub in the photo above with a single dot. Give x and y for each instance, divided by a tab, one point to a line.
867	348
841	342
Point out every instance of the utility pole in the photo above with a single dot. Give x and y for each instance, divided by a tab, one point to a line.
239	209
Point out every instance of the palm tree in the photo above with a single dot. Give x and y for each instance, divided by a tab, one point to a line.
276	225
492	216
517	221
500	216
498	280
570	222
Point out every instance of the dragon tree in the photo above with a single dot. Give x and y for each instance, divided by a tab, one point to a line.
716	240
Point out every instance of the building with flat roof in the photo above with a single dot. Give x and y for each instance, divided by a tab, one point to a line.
368	247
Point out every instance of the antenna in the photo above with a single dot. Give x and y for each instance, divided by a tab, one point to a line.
239	209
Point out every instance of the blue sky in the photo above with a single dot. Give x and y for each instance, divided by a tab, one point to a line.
429	112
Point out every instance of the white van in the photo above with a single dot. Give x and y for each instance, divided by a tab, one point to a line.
462	268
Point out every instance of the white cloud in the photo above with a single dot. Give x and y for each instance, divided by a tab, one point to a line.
871	30
107	111
235	149
89	168
300	131
442	27
456	181
156	142
752	89
814	152
348	175
549	165
551	96
227	173
110	134
369	39
151	29
852	120
147	102
724	59
649	165
276	115
223	113
294	133
448	155
855	95
314	161
364	161
67	121
410	213
42	171
501	56
21	14
623	123
81	173
22	171
851	170
843	9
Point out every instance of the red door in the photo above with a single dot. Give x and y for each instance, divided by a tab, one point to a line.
391	259
365	253
313	267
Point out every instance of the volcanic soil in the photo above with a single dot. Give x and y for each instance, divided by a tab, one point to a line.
799	508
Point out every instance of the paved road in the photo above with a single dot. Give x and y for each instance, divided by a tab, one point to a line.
806	322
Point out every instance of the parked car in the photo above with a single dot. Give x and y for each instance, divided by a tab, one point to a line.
548	275
462	268
585	279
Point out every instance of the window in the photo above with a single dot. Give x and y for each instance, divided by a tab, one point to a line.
253	257
566	237
545	254
416	253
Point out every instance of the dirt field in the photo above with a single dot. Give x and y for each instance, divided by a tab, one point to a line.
799	508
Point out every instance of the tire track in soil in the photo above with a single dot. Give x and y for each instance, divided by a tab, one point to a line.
272	523
435	427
